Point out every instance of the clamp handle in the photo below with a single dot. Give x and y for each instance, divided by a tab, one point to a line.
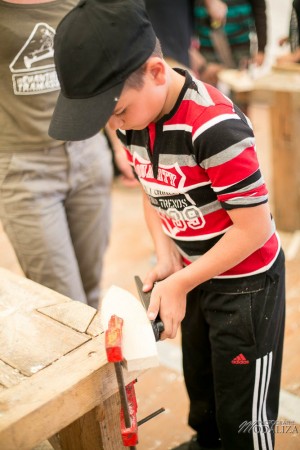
128	418
129	429
113	339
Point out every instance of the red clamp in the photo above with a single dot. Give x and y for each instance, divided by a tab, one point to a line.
113	339
130	434
128	413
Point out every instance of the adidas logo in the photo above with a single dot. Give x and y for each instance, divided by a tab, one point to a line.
240	359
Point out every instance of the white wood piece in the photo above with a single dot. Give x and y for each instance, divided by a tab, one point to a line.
138	342
237	80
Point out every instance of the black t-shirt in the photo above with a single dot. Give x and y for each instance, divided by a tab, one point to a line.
296	6
172	23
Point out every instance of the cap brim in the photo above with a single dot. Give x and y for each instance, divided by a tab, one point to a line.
79	119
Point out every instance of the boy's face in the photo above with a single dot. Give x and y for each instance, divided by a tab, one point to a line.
137	108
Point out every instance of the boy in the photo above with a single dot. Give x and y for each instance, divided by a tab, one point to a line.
220	270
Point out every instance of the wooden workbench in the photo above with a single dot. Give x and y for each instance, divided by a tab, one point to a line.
55	381
279	92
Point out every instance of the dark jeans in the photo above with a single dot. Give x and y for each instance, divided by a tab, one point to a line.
232	341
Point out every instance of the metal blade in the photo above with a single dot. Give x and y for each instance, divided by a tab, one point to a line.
222	47
122	392
157	324
144	296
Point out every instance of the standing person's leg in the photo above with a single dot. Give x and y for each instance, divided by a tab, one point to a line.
246	335
33	188
198	375
88	208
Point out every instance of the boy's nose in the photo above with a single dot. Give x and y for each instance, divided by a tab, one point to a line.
115	122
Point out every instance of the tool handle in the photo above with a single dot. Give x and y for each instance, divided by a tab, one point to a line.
158	327
113	339
129	433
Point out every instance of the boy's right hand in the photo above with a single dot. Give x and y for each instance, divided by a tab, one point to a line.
163	299
169	300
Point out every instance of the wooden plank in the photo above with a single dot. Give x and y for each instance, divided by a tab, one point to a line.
19	293
109	421
55	442
56	396
30	342
83	434
9	376
138	342
259	114
236	80
287	66
74	314
97	430
278	81
95	327
285	119
283	104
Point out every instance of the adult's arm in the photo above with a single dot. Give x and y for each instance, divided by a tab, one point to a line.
260	19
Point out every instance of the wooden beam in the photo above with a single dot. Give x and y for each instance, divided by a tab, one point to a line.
30	341
74	314
23	295
51	399
109	421
83	434
9	376
97	430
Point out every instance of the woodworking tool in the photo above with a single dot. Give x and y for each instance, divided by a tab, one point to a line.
157	324
221	44
128	413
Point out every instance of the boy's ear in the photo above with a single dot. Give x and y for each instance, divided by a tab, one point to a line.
156	70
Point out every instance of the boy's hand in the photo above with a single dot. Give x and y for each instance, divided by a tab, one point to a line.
127	175
170	301
164	299
163	269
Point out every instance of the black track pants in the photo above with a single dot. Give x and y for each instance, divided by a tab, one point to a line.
232	340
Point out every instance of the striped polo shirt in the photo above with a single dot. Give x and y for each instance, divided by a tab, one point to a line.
197	163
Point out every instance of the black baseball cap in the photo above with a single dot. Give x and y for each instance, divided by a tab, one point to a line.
97	45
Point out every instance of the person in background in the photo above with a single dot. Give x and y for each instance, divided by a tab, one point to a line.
241	21
294	37
55	195
172	21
